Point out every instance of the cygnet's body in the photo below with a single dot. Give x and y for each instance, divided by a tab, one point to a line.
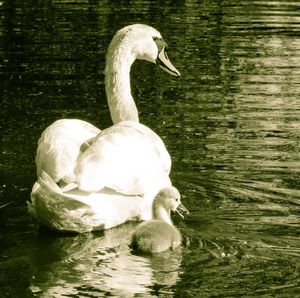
159	234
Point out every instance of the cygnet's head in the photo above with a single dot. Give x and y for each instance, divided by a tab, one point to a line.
169	199
146	43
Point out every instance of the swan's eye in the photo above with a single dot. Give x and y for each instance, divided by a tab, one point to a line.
161	43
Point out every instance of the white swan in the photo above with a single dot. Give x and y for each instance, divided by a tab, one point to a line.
114	168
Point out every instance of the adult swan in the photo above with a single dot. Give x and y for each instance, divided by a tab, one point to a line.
90	179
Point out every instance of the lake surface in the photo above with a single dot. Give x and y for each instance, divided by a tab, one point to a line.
231	124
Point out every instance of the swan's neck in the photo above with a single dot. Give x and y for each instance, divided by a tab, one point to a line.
117	81
161	213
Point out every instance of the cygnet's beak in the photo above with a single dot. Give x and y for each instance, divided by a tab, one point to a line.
163	60
181	210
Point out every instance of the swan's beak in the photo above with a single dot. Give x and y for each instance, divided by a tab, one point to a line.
181	210
164	62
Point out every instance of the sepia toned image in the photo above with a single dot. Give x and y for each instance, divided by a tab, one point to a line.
150	148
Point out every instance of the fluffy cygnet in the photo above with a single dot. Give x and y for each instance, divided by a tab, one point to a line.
159	234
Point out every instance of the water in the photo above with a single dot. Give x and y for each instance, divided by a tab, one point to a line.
231	125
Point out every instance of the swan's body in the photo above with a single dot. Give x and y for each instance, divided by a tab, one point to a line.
159	234
125	161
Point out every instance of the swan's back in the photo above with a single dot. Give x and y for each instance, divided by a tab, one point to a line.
126	157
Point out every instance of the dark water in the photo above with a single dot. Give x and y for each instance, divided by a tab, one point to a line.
231	125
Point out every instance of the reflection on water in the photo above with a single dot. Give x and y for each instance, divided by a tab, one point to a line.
104	263
231	125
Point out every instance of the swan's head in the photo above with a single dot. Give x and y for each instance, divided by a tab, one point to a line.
146	43
169	199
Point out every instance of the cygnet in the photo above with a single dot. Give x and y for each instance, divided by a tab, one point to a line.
159	234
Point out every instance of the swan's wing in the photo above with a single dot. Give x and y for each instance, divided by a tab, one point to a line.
124	159
154	140
59	147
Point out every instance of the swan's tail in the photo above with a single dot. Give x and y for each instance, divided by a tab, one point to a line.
51	207
44	181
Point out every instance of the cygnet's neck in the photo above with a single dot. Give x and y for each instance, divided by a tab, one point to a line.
159	212
119	59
